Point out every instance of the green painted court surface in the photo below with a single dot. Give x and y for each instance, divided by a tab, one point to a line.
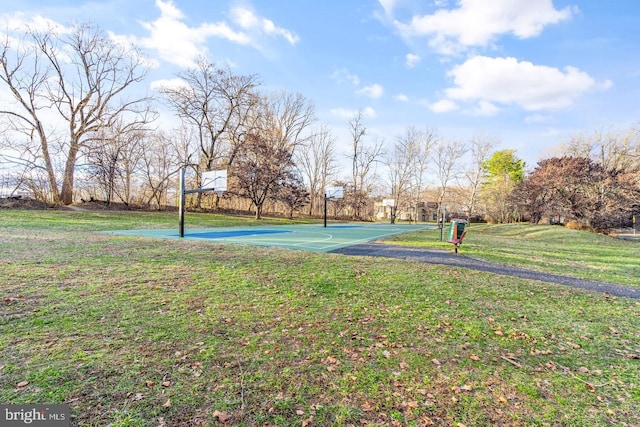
311	237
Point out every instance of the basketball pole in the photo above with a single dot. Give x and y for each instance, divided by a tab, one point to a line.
181	202
325	210
183	192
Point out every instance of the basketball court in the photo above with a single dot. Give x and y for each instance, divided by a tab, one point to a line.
309	237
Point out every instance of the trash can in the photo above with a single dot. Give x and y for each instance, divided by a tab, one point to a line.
456	228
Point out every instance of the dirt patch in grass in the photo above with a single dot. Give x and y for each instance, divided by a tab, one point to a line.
23	203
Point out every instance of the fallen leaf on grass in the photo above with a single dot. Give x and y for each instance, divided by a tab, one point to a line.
222	416
474	357
166	383
22	384
436	362
150	383
167	404
412	404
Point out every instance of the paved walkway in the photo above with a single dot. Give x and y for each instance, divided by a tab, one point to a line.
446	258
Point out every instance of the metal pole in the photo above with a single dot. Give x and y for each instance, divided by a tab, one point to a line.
444	212
181	203
325	210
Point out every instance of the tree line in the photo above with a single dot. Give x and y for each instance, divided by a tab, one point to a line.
75	129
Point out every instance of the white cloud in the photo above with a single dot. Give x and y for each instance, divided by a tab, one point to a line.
373	91
341	75
369	112
485	108
477	23
178	43
401	97
551	132
248	20
509	81
344	113
443	106
348	114
19	22
174	83
412	60
388	5
536	118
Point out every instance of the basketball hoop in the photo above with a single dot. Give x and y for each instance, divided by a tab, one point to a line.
215	181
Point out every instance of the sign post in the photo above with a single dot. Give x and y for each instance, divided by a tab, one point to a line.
444	216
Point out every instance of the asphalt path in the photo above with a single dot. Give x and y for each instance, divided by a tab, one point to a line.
458	260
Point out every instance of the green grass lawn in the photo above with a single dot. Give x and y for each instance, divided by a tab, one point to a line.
132	331
553	249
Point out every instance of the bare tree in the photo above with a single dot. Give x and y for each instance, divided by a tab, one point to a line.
260	170
159	164
578	189
614	150
424	141
114	161
277	127
82	77
292	192
286	117
400	162
363	159
446	157
474	173
317	161
218	104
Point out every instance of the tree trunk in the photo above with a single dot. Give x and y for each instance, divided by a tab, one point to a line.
51	175
66	194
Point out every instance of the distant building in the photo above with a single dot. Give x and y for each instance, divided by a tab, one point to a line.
424	211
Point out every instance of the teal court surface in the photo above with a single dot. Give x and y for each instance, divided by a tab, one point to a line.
309	237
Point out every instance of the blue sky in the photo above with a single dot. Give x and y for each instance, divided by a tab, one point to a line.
530	73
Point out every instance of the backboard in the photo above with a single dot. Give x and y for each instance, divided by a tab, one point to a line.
334	193
214	180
